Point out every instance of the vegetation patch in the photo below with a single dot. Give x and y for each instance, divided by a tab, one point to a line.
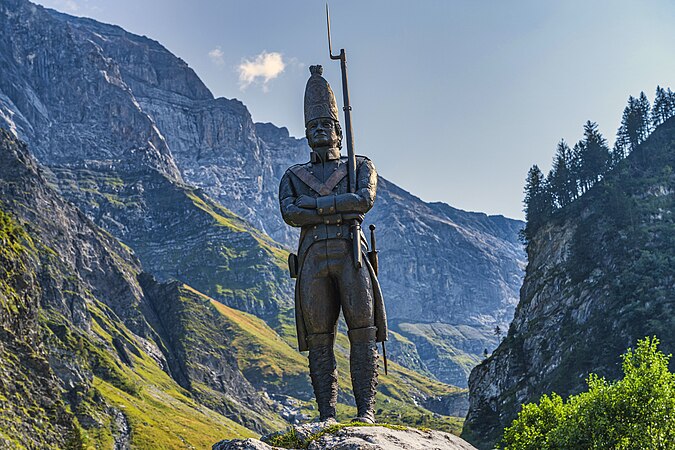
291	439
634	412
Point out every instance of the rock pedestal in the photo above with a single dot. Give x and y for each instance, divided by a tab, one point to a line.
360	438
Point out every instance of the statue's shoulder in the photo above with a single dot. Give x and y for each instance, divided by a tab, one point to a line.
361	160
307	165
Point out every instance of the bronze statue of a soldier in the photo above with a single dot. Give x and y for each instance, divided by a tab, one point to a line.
316	197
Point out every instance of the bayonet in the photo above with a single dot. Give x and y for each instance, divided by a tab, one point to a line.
351	168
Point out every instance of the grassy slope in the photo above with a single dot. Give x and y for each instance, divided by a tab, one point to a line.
225	217
267	357
179	232
31	413
159	412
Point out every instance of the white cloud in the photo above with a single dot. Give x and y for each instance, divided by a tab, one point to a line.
217	56
263	68
69	6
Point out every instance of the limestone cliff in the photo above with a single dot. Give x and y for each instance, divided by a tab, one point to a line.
69	89
599	277
449	276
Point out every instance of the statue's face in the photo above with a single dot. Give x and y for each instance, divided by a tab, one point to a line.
322	133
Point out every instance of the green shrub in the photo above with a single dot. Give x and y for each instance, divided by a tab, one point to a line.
636	412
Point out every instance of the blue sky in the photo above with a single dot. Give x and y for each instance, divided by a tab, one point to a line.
453	100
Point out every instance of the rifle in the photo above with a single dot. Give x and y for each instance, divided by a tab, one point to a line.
351	168
351	164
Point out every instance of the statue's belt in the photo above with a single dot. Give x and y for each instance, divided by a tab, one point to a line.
316	185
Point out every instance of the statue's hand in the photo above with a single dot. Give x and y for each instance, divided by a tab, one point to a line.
305	201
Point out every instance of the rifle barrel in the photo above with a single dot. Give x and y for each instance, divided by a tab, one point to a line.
351	164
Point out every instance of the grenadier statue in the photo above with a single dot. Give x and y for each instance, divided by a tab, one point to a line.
316	197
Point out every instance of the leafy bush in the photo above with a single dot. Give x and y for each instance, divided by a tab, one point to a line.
636	412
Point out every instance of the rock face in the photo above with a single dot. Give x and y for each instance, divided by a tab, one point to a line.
29	387
600	277
375	438
449	276
84	96
355	438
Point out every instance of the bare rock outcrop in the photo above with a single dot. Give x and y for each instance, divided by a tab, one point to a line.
360	438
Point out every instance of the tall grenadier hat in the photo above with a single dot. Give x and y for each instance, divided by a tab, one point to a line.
319	98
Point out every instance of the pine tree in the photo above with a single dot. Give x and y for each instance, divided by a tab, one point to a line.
596	153
538	201
576	169
635	124
561	180
582	169
664	106
616	155
645	113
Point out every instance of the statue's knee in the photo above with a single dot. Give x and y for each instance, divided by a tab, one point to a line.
320	340
361	335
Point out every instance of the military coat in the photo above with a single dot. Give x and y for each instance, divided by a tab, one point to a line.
327	182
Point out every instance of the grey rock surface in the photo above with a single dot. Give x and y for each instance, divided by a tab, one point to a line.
79	268
83	95
243	444
380	438
449	277
366	438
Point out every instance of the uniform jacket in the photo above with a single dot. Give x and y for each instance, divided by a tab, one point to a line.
327	182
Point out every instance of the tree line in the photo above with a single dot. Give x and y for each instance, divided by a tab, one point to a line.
575	170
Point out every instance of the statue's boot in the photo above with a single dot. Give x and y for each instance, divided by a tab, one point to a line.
323	372
363	366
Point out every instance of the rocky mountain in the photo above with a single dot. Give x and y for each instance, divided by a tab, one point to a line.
449	276
600	276
72	103
162	351
130	134
87	357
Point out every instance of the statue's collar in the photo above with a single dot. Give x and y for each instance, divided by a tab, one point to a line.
330	155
